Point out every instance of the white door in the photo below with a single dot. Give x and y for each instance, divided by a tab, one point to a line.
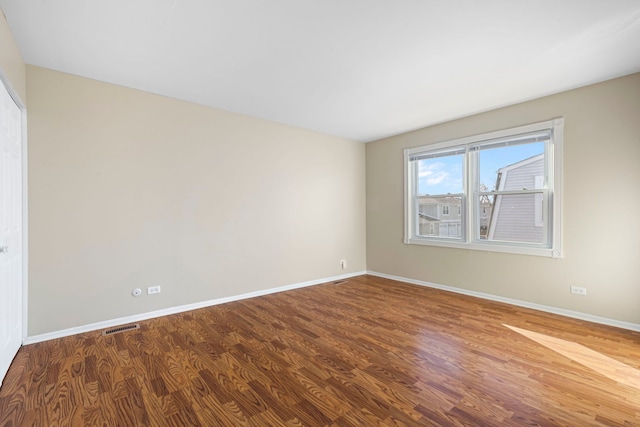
10	230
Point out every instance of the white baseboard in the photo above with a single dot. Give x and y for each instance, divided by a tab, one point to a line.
178	309
540	307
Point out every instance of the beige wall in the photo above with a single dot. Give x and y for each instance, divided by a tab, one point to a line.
601	207
11	64
129	189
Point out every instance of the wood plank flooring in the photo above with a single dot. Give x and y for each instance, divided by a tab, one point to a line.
367	352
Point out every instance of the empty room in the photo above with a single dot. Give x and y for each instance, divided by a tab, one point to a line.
319	213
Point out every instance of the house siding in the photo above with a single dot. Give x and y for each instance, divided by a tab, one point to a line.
515	218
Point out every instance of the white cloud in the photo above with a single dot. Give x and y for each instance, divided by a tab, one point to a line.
437	178
427	169
432	173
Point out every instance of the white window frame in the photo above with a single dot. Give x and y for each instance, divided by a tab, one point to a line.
552	247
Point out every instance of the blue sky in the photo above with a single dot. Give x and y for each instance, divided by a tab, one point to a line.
443	175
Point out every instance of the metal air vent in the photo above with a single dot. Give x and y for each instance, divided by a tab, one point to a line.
119	329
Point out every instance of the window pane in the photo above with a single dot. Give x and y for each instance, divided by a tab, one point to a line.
517	218
440	175
440	217
511	218
510	167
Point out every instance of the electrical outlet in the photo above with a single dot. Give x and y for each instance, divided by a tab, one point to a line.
577	290
343	263
153	290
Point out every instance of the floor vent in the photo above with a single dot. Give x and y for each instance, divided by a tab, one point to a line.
339	282
120	329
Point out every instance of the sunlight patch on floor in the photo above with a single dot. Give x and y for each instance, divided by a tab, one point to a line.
605	365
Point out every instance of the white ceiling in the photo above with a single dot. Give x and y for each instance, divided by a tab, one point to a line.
360	69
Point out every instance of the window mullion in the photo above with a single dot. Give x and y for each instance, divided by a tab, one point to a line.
471	168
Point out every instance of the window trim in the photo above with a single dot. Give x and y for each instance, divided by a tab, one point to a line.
553	247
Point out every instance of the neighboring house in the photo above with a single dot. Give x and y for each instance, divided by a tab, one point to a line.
439	216
442	216
519	217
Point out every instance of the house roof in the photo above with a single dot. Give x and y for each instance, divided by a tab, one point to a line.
428	217
521	163
358	69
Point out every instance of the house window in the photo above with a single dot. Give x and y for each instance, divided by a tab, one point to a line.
439	178
505	186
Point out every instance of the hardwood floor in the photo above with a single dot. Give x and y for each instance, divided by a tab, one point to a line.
367	352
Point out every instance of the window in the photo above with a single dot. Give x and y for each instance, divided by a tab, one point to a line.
504	187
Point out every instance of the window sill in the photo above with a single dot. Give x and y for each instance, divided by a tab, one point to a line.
488	247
